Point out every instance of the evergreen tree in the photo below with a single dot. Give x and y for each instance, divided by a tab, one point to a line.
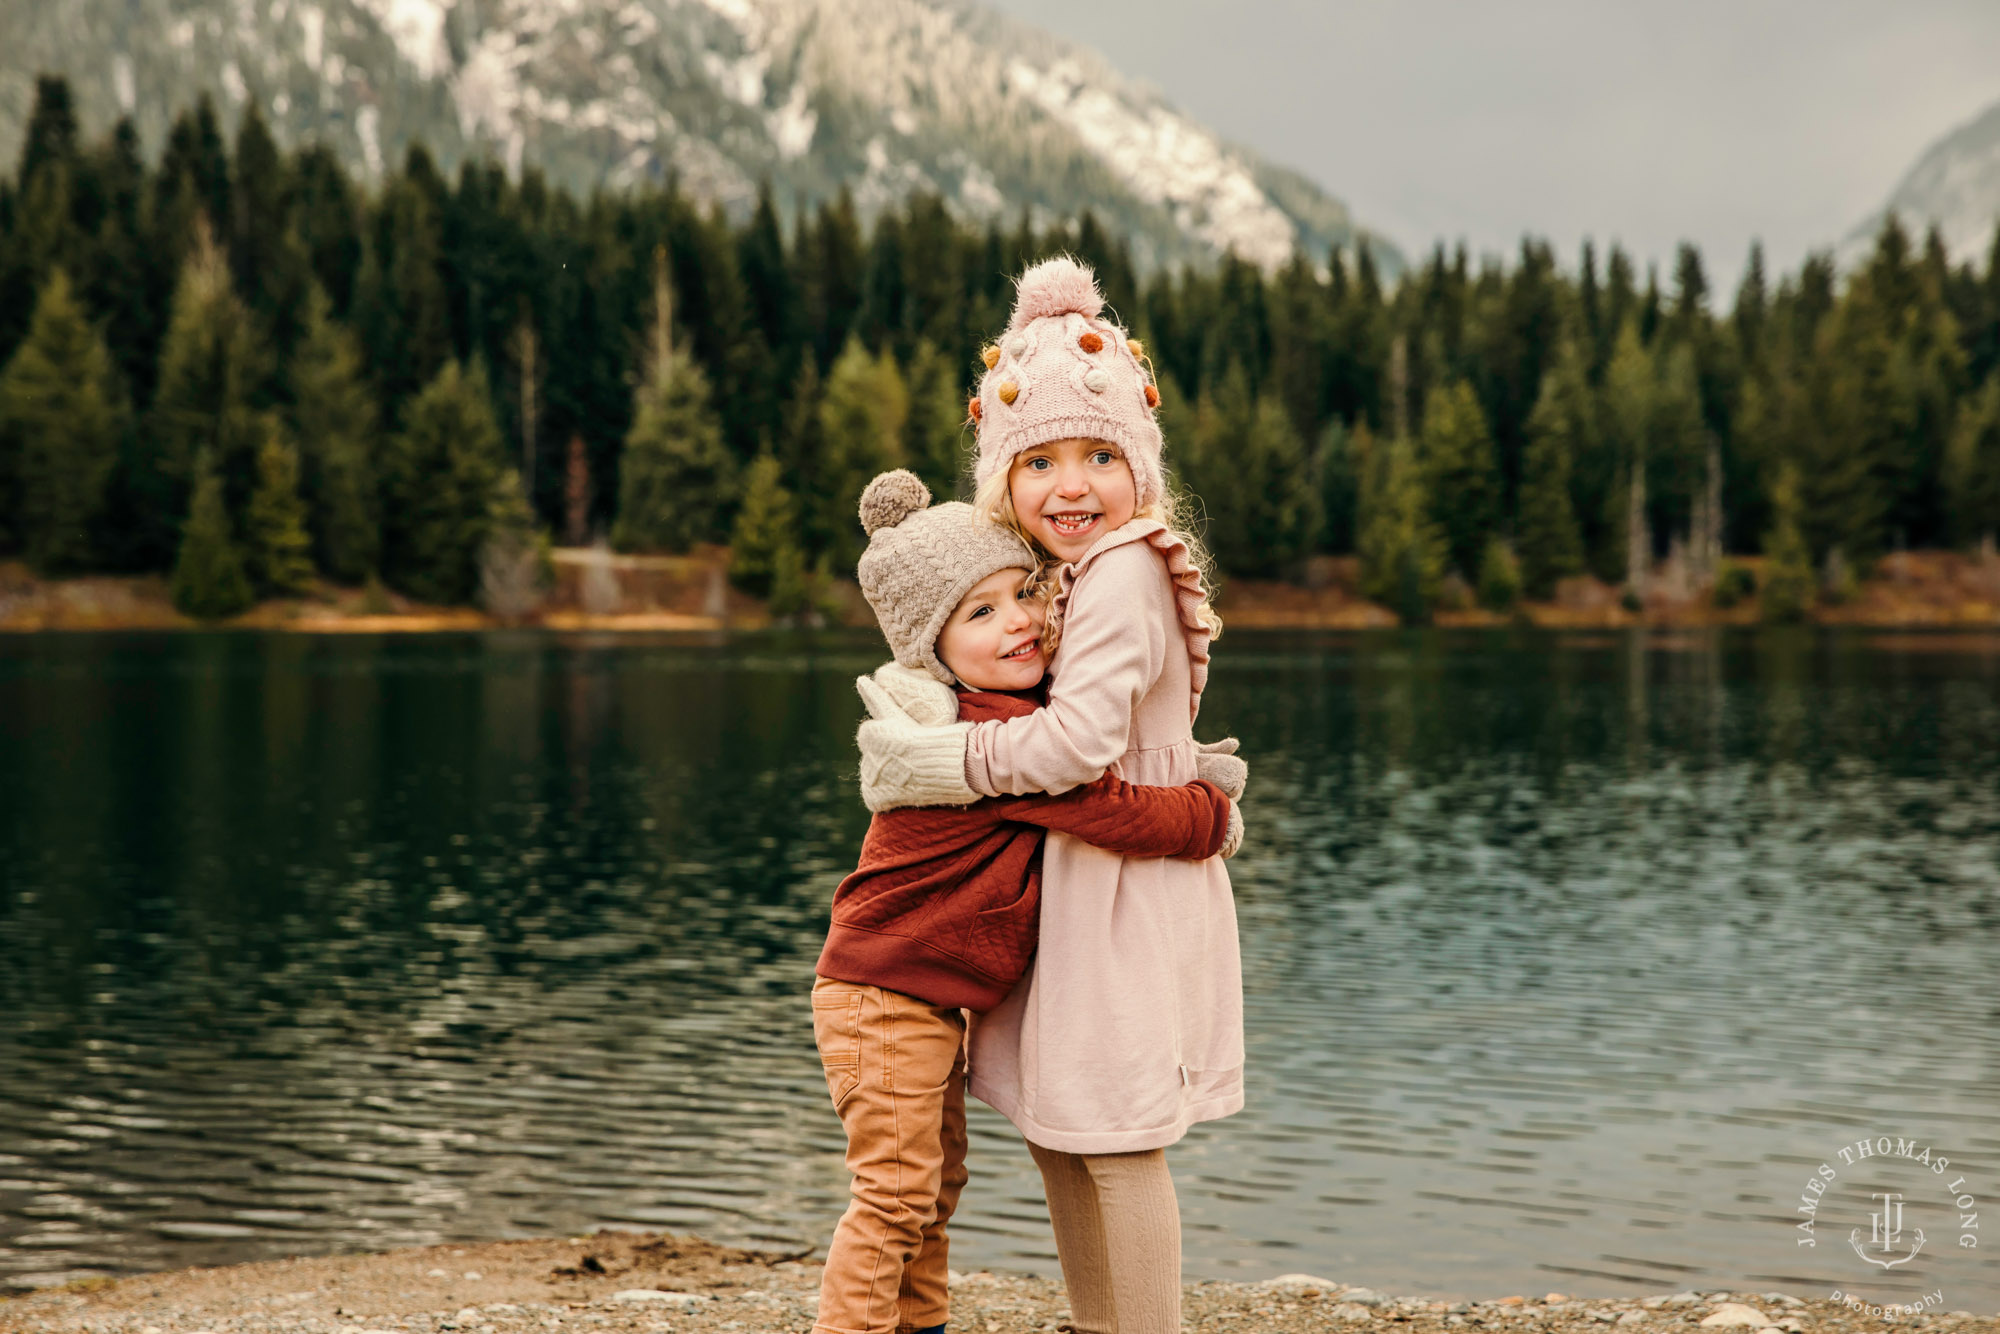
125	287
51	137
676	483
514	561
933	250
862	418
271	265
766	533
1499	576
1402	551
1751	314
327	216
1299	344
402	308
333	419
1788	569
1677	440
1339	487
830	264
1768	429
43	229
767	279
1459	473
437	476
801	451
716	310
1972	467
274	525
209	581
935	438
1561	426
1626	420
1245	462
60	422
1845	450
208	370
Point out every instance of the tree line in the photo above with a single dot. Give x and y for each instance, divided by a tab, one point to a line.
239	365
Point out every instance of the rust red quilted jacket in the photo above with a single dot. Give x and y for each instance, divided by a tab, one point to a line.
946	902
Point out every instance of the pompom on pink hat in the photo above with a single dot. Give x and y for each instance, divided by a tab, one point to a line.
1061	370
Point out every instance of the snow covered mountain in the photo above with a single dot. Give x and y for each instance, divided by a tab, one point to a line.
1955	184
884	96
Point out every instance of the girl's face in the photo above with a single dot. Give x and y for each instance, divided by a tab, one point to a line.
993	638
1069	493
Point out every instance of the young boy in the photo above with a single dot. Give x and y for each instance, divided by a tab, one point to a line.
942	913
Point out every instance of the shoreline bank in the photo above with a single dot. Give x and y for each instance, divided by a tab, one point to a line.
653	1283
604	593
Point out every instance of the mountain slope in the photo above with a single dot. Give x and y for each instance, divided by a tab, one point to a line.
885	96
1955	184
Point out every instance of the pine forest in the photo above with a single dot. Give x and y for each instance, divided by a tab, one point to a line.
240	368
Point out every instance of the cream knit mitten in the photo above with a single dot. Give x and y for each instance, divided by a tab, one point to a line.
904	763
1232	840
1216	762
925	700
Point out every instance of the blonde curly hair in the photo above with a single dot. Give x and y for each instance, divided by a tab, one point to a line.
993	500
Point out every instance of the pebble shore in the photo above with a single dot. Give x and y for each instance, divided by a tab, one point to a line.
650	1283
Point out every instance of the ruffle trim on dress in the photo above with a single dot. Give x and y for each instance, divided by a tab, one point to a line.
1189	592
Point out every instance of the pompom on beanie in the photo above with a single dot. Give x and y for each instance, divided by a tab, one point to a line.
921	561
1061	370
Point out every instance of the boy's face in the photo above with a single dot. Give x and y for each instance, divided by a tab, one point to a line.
993	638
1069	493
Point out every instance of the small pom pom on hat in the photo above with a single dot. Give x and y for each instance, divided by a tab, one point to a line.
1059	286
891	498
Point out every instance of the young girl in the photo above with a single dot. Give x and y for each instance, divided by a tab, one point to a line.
1128	1027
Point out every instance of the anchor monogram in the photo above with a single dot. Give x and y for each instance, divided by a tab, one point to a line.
1885	1227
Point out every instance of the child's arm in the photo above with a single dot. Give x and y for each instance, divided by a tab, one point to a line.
1118	629
1121	624
1131	819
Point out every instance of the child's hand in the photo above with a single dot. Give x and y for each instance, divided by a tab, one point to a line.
903	762
1232	840
921	697
1216	762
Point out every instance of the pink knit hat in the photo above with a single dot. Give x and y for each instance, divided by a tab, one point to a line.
1060	371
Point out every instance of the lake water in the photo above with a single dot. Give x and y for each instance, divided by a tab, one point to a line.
1568	959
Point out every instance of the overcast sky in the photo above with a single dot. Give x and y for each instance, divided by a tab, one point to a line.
1714	121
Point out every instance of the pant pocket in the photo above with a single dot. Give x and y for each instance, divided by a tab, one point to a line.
837	1032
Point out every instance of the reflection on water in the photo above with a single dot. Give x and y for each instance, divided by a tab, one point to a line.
1567	960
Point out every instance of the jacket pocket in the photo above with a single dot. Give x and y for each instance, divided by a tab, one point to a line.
1003	938
837	1032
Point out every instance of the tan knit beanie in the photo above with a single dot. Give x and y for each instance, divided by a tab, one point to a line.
921	562
1061	371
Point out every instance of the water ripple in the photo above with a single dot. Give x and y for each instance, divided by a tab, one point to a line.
1567	960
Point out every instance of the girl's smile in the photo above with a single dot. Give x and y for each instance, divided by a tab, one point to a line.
1068	493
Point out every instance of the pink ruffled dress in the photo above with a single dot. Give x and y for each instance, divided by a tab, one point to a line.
1128	1028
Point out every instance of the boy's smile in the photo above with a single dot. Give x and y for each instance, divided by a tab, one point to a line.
993	638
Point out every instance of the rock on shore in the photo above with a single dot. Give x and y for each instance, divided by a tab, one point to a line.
647	1283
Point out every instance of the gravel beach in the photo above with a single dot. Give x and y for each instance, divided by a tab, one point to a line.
650	1283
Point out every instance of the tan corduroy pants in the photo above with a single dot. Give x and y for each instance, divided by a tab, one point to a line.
895	1068
1118	1234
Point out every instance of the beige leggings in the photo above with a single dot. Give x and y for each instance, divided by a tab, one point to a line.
1118	1233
